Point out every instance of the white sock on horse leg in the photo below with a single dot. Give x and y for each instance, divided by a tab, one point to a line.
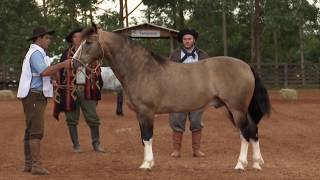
242	161
257	158
148	154
148	161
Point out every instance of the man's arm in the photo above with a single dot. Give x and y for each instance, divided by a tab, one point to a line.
203	54
63	57
39	66
51	70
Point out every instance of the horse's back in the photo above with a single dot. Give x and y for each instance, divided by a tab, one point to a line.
226	61
214	70
232	77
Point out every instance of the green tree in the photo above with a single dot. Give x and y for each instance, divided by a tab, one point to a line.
17	19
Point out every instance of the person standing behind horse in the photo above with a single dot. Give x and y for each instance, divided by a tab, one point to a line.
120	99
189	53
81	90
34	89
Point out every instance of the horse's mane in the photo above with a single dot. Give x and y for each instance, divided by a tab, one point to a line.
133	44
88	31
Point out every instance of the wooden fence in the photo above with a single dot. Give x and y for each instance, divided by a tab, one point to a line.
284	75
291	75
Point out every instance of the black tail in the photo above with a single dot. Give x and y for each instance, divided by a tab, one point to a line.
260	102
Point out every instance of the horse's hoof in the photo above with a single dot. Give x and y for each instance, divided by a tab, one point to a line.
260	161
257	164
147	165
240	169
241	165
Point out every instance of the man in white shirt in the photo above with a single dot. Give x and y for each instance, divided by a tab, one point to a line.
34	89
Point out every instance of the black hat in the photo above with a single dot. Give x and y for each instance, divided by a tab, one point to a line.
183	32
40	31
69	37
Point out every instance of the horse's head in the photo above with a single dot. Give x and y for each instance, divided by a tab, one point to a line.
90	49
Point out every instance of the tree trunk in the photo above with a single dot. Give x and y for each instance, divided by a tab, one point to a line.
257	33
84	14
148	15
276	56
252	31
301	37
73	14
121	13
90	13
127	16
224	29
45	11
174	14
275	46
181	15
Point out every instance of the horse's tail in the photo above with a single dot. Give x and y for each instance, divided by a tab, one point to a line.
260	102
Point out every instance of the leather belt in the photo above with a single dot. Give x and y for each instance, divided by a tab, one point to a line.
38	93
35	91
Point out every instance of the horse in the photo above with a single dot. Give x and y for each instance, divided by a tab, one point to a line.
155	85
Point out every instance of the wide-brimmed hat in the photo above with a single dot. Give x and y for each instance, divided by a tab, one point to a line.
40	31
185	31
69	37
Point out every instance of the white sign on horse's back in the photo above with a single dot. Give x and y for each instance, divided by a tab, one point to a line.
110	81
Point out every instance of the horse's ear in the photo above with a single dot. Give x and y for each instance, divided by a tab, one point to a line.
94	26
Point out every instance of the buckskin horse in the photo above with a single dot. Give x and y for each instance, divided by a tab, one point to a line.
155	85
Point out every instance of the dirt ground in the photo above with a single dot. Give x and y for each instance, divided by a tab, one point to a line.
290	145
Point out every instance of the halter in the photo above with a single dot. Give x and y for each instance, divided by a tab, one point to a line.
100	61
92	70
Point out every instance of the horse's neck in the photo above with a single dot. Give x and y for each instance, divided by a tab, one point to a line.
124	61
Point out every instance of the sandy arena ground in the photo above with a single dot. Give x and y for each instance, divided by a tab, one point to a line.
290	144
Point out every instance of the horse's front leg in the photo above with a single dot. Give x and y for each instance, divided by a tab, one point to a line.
146	127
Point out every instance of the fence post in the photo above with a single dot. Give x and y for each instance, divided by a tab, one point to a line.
285	75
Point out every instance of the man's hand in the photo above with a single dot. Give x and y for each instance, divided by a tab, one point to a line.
67	63
55	68
55	83
76	64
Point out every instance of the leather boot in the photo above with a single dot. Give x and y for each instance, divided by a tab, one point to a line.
37	167
95	136
196	139
177	140
73	131
27	156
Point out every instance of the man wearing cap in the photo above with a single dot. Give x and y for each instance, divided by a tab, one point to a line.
34	89
188	53
79	90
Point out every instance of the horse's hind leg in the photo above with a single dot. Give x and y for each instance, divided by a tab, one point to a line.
249	133
146	127
257	157
242	160
241	121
